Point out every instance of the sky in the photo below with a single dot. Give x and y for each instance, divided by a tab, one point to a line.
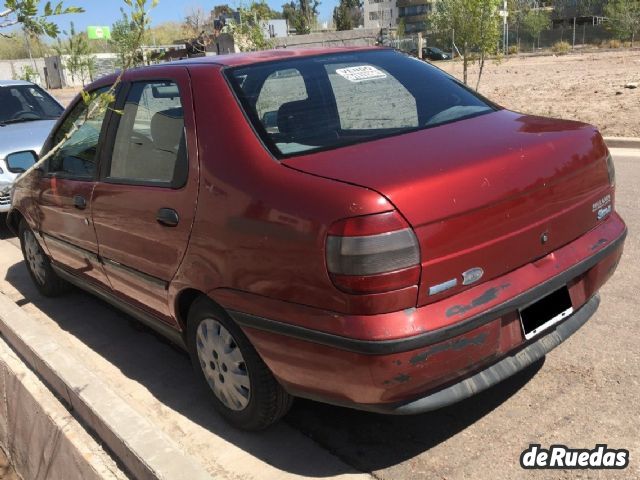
106	12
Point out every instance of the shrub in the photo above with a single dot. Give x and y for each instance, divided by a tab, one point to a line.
612	43
561	48
513	50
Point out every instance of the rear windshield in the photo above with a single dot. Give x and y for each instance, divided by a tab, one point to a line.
329	101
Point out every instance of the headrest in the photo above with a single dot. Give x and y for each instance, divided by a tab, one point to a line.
302	118
167	128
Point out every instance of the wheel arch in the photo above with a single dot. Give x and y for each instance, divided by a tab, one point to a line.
13	220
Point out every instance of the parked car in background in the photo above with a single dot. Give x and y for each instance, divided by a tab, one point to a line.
345	225
27	114
432	53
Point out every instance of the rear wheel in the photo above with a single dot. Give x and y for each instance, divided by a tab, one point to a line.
244	391
46	279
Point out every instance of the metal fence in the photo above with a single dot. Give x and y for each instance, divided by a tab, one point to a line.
520	42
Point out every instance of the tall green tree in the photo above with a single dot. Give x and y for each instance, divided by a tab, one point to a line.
623	18
534	23
80	63
249	34
348	14
125	40
301	14
98	103
25	12
475	26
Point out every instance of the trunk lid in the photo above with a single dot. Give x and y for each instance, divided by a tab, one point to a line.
493	192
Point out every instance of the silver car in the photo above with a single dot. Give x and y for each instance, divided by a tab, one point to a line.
27	115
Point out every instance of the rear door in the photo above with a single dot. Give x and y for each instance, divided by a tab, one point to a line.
145	201
66	188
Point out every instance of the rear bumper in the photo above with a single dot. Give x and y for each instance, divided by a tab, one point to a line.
371	363
492	375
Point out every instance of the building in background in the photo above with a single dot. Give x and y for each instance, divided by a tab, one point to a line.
388	13
413	13
380	14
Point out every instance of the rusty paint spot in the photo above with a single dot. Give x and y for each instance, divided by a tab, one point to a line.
598	244
402	378
397	362
457	344
486	297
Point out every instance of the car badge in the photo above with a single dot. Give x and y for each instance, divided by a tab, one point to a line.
472	275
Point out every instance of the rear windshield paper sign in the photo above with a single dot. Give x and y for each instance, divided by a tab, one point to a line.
361	73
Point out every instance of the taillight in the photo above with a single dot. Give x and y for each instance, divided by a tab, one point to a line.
373	254
611	170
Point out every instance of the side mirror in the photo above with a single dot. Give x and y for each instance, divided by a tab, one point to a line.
20	162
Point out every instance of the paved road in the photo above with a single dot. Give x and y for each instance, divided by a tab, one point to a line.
585	392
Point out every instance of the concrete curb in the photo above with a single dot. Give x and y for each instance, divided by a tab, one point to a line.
145	452
39	434
622	142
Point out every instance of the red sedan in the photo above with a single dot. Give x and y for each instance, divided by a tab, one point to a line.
351	226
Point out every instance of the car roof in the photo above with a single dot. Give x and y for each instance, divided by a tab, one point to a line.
240	59
13	83
248	58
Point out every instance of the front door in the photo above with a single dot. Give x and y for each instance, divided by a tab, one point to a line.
66	188
144	205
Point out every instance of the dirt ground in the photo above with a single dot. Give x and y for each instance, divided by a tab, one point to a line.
589	87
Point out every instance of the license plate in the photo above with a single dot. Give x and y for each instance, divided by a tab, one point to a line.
545	312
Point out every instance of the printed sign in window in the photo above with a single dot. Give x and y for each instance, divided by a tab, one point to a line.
361	73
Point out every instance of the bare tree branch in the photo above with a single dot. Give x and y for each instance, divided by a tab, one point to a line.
6	13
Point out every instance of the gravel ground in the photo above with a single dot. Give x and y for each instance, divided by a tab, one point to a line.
589	87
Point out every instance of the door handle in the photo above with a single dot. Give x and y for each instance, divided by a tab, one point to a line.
167	217
79	202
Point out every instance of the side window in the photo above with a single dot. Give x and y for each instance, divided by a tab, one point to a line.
282	86
77	156
150	146
378	112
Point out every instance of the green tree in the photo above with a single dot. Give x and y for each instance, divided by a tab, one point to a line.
475	26
623	18
249	34
224	9
99	102
534	23
25	12
347	15
126	40
80	62
301	14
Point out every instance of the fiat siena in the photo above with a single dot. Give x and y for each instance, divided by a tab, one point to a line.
350	226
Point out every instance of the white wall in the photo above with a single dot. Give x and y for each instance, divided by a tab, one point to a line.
12	69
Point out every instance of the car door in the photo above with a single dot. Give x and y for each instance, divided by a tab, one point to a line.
144	205
65	191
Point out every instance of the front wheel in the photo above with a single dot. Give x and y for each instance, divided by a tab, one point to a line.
46	279
244	390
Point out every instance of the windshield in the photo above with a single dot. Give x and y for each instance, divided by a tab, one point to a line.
328	101
24	103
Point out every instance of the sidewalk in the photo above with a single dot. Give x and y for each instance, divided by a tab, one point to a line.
149	382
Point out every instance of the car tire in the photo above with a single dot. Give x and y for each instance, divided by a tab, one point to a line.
244	390
38	264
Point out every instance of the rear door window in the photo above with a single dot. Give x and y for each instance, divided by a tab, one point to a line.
149	146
